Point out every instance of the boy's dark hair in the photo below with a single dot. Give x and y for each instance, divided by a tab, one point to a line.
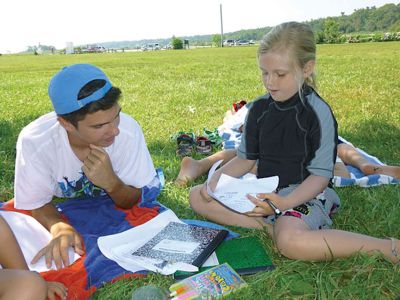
108	101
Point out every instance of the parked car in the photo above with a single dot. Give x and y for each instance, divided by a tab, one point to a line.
151	47
242	43
94	49
229	43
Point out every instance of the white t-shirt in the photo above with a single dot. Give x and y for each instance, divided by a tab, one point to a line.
46	165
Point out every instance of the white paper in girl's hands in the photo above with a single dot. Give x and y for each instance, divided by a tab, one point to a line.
232	192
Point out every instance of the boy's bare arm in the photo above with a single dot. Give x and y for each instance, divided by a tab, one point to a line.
124	196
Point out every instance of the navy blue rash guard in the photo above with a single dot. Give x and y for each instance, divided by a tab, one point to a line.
291	139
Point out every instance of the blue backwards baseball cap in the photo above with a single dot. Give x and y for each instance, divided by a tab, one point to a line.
64	87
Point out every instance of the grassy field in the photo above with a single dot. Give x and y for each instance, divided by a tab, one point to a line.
161	89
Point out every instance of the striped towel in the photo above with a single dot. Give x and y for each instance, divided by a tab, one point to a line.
359	178
229	130
92	218
95	217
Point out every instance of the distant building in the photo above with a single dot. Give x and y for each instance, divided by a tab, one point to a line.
69	49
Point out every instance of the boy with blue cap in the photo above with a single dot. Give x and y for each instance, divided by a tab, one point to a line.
86	148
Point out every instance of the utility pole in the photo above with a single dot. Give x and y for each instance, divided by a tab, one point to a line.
222	28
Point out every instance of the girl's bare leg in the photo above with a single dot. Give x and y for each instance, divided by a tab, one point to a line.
216	212
296	241
192	169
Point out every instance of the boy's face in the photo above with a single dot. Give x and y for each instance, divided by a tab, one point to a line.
278	75
99	128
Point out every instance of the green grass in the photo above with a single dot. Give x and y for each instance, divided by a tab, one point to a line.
360	82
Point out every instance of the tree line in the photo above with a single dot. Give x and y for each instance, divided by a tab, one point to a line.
365	24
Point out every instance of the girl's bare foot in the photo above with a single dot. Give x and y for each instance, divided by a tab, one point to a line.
370	169
190	170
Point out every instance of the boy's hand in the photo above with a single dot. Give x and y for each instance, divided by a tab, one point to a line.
98	169
64	236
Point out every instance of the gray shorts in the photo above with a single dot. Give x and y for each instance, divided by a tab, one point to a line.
316	213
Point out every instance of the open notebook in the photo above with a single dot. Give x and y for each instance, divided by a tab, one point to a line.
179	242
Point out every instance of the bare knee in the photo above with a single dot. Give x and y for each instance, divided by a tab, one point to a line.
290	243
196	200
37	285
23	285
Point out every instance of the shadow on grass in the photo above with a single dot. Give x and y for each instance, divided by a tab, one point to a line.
9	131
377	138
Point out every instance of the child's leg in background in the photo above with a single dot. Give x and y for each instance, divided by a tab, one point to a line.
350	156
22	285
17	284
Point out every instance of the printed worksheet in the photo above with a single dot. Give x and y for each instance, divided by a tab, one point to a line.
232	192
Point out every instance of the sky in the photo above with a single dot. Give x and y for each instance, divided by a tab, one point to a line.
26	23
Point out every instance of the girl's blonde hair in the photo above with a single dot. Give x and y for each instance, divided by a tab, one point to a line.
298	40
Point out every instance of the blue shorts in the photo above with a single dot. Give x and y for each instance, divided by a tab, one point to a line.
316	213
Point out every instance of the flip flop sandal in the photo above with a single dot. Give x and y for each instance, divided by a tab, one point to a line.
203	145
213	136
185	144
184	150
238	105
181	133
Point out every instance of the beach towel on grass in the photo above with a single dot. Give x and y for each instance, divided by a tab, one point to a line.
231	140
92	218
97	217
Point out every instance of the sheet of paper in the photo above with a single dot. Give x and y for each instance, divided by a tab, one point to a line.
211	261
232	192
119	247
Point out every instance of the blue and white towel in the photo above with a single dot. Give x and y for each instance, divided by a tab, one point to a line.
359	178
229	131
